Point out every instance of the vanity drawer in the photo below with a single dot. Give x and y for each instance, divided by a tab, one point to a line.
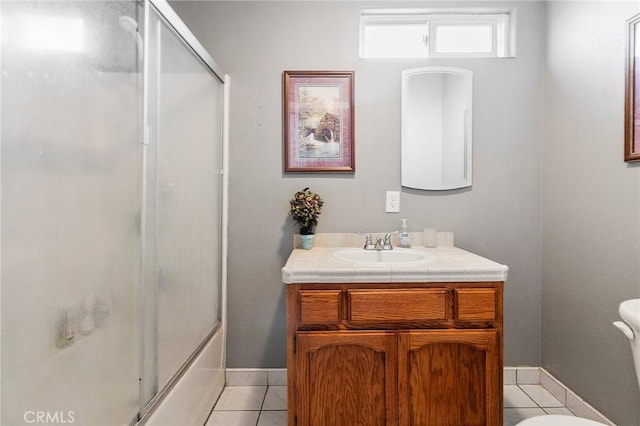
475	304
413	304
319	306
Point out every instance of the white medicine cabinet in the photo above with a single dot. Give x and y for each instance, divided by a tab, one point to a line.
436	127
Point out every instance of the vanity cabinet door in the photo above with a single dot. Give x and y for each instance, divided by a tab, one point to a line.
346	378
449	378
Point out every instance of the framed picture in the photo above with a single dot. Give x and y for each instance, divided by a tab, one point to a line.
318	121
632	96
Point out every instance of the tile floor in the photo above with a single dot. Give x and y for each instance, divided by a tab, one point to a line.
267	405
250	406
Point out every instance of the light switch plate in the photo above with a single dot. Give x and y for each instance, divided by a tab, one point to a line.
393	202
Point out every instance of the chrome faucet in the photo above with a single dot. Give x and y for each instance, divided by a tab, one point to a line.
380	244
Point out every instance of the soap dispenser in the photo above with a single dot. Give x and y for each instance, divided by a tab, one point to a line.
404	239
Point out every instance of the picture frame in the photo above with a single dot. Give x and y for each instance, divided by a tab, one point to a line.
318	122
632	92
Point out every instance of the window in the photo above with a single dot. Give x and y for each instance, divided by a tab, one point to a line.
424	34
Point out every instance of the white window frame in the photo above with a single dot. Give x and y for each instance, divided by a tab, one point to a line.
502	22
388	20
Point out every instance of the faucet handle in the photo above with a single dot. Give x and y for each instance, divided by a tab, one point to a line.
368	244
387	237
387	241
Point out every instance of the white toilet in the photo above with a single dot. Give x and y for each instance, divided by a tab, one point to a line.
629	311
556	420
630	325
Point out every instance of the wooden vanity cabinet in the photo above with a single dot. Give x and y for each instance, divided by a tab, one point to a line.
394	354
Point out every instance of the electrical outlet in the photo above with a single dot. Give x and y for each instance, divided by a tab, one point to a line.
393	202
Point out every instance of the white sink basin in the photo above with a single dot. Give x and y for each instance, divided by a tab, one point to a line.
382	257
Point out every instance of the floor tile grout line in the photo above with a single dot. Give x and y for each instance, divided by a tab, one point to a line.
262	404
214	406
526	394
531	398
564	405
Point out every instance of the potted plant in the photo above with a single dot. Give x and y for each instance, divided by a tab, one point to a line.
305	207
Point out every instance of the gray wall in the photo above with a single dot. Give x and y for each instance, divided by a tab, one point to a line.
499	217
590	258
591	231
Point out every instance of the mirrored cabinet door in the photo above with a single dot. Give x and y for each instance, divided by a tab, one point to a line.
436	128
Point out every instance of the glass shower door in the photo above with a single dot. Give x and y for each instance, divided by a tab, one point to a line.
111	209
70	185
183	204
188	207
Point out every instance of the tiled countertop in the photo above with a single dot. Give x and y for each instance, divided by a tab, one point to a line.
451	264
